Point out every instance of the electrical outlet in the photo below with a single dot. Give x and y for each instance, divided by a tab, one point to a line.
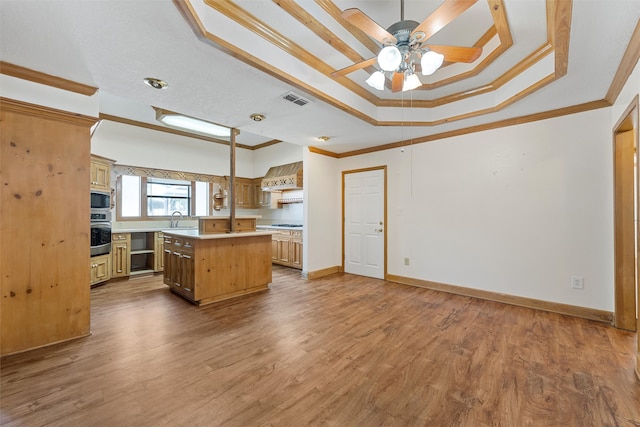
577	282
407	261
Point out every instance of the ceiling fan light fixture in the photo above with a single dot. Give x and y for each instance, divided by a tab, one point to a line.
411	82
376	80
430	62
389	58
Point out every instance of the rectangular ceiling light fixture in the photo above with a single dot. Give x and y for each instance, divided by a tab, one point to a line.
191	124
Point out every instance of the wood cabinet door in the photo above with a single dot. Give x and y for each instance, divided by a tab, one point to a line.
242	193
158	252
174	269
256	193
296	253
100	269
187	272
274	250
168	272
100	176
284	250
120	253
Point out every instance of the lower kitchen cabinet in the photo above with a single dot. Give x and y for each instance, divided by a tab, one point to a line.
286	248
178	273
121	253
137	253
208	270
100	267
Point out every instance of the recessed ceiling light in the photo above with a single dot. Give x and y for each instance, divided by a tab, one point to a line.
155	83
324	138
257	117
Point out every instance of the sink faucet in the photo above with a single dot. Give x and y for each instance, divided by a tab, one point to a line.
171	224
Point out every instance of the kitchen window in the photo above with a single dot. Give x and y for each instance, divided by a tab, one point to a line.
165	196
144	198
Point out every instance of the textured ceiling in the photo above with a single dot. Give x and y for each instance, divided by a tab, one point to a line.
222	65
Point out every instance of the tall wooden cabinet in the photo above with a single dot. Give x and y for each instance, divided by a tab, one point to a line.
44	225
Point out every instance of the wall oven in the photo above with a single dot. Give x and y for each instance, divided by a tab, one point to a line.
100	238
100	223
100	200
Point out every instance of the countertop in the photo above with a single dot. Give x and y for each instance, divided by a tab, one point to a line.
279	227
189	220
147	230
195	234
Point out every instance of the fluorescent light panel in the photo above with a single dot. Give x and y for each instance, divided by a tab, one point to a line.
194	125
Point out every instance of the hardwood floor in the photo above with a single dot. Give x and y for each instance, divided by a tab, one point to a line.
341	350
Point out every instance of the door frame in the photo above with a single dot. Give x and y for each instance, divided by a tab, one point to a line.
385	226
625	189
628	121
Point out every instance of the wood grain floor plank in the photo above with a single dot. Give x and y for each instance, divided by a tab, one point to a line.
339	350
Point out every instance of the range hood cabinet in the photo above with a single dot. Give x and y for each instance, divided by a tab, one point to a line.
284	177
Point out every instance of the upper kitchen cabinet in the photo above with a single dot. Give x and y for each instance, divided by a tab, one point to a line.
100	173
248	193
245	194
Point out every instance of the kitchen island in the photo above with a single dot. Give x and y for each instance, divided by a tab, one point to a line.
205	267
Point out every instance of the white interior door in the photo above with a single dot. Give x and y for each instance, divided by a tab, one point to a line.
364	236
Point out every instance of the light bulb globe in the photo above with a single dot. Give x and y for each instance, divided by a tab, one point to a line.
376	80
389	58
430	62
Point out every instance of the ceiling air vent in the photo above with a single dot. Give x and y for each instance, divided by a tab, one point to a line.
295	98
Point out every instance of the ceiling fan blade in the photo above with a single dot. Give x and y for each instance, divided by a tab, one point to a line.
443	15
351	68
397	82
361	21
457	53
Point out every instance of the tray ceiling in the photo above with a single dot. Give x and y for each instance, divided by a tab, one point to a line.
225	60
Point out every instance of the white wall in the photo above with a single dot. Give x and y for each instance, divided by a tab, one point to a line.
275	155
517	210
322	235
136	146
48	96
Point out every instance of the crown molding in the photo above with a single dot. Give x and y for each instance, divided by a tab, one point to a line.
27	108
45	79
594	105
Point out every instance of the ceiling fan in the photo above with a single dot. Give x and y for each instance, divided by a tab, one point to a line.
404	44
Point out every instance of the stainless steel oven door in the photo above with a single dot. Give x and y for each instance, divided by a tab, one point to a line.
100	238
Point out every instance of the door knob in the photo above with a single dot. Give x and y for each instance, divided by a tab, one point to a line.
379	230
